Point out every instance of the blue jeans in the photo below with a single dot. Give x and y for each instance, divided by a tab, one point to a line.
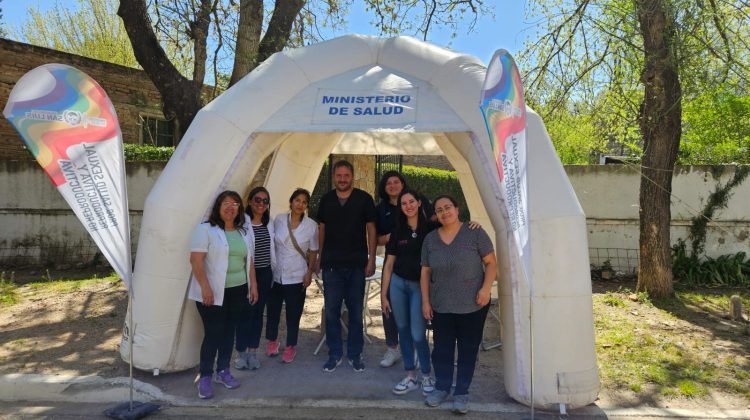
406	304
345	285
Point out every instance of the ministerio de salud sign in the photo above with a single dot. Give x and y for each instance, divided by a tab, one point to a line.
385	107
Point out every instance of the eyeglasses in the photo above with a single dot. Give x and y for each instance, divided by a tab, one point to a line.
259	200
447	207
232	205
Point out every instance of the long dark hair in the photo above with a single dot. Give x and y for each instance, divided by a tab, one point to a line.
215	218
384	180
401	220
266	217
298	192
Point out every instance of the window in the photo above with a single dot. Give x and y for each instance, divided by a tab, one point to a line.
157	131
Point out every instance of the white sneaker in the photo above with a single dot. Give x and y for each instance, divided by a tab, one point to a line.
390	357
405	386
428	385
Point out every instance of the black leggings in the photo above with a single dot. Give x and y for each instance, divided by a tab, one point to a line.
294	296
218	327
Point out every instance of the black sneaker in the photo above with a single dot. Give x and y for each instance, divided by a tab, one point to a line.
331	364
357	364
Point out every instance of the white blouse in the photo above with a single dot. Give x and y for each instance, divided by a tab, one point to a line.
213	241
290	266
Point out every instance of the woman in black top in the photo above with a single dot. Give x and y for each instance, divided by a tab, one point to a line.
401	279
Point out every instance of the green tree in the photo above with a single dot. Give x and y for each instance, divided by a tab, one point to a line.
590	48
243	34
716	128
92	30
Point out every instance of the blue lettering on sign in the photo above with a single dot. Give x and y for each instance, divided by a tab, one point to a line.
379	110
390	106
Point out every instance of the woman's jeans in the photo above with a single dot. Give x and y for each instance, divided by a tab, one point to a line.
249	330
219	323
406	304
294	296
447	331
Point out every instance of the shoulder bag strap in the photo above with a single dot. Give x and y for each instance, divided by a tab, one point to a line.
294	240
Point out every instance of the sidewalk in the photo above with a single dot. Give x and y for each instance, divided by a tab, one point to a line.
316	396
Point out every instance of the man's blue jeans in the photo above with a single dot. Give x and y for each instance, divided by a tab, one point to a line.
345	285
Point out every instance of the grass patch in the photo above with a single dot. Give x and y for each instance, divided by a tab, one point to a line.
67	286
8	292
642	343
613	299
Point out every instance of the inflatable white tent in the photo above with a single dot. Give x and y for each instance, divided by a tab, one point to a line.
364	95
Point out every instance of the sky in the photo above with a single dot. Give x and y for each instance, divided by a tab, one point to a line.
507	30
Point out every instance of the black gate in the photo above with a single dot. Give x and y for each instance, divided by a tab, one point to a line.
385	163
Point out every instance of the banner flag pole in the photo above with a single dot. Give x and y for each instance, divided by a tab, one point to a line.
504	111
70	127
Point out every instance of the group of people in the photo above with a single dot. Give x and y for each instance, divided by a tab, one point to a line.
437	269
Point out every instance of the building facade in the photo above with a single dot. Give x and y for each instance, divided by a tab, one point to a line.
134	96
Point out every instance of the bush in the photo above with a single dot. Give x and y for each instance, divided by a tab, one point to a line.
142	152
725	271
434	182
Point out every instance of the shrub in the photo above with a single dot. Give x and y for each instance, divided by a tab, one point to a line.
434	182
142	152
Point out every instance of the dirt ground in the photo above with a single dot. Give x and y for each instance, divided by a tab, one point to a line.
78	333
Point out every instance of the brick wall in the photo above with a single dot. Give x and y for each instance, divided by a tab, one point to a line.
130	90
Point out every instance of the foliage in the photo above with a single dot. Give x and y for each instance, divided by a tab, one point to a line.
8	291
143	152
726	270
716	201
92	30
575	137
434	182
716	128
587	64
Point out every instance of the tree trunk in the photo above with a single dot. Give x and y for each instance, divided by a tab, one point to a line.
279	28
199	35
180	96
248	39
660	123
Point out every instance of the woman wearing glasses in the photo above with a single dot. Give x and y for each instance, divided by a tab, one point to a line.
261	232
401	276
296	242
222	284
458	268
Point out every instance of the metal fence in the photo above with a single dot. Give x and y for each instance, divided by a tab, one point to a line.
385	163
623	260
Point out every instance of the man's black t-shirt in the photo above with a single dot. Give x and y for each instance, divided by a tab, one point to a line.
345	241
408	249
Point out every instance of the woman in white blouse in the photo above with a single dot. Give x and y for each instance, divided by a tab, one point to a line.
296	242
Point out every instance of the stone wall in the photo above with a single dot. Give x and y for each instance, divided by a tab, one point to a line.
130	90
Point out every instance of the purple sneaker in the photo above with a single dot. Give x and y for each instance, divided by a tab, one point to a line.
205	388
225	378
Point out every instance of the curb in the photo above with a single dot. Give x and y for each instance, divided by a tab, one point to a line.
82	389
95	389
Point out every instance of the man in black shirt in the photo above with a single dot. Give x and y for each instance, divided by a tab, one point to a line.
347	244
